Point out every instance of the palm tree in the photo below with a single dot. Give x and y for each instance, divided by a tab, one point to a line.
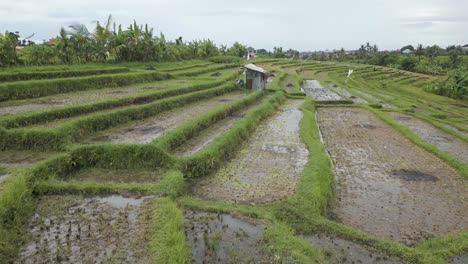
419	51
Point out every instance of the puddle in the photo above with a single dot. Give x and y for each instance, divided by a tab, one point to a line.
413	175
145	131
347	94
386	185
224	238
118	176
75	229
367	126
267	168
337	250
314	89
442	140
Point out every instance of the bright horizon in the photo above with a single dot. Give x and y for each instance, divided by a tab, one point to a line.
301	25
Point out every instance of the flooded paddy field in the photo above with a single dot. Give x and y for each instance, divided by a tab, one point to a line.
387	186
71	229
338	250
366	95
147	130
90	96
314	89
207	136
444	141
267	168
224	238
346	94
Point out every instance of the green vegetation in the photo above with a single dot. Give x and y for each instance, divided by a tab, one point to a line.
308	212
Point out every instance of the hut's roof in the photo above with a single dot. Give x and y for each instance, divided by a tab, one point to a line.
253	67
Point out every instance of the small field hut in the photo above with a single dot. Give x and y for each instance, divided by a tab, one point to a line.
256	77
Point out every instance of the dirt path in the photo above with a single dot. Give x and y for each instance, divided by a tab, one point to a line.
224	238
444	141
147	130
82	97
267	168
72	229
386	185
314	89
197	143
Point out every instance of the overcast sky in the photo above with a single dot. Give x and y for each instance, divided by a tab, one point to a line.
298	24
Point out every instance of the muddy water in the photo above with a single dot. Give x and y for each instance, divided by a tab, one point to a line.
314	89
147	130
267	168
386	185
384	104
72	229
444	141
347	94
199	142
337	250
82	97
224	238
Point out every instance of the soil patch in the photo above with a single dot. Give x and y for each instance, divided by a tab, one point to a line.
147	130
314	89
386	185
337	250
73	229
458	260
224	238
267	168
444	141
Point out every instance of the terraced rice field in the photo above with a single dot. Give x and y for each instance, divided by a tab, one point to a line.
175	163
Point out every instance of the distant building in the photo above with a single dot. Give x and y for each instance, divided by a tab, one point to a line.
256	77
406	51
465	47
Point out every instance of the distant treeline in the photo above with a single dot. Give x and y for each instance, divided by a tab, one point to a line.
109	42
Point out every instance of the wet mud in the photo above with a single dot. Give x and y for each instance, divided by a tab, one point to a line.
224	238
314	89
267	168
442	140
75	229
338	250
386	185
145	131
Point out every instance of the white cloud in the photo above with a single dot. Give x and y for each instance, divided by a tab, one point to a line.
304	25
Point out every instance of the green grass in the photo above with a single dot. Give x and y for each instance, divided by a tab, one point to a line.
168	244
